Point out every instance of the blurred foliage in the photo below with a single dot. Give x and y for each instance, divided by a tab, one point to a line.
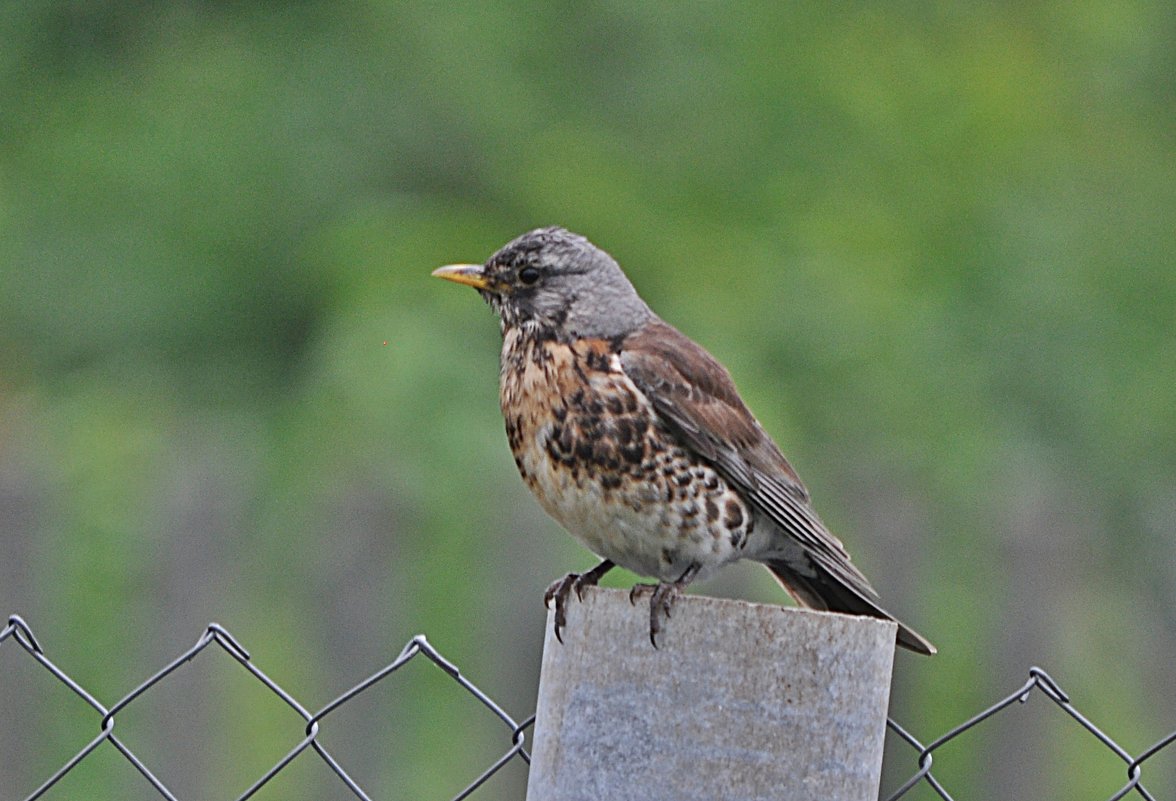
933	241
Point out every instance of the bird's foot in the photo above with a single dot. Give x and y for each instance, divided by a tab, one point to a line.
560	589
661	599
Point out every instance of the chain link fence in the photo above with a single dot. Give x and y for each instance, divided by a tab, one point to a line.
1039	681
513	731
20	633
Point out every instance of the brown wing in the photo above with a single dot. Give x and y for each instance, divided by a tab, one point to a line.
697	399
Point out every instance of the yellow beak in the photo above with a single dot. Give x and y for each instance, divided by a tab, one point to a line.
468	274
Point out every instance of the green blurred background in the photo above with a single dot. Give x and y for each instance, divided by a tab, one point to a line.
934	242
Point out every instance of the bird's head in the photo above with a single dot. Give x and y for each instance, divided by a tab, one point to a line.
558	284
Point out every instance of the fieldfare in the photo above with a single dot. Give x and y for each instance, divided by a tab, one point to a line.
635	440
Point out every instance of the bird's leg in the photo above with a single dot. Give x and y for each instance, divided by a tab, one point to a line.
561	588
661	598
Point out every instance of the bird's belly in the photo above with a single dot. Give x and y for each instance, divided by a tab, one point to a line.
621	526
589	445
641	501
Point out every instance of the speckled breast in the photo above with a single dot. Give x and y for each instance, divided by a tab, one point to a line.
588	444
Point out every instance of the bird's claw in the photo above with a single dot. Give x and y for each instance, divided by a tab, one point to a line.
559	590
661	600
638	590
556	589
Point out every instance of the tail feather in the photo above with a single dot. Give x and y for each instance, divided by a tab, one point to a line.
823	591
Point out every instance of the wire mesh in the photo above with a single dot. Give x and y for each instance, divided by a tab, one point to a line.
514	731
20	633
1039	681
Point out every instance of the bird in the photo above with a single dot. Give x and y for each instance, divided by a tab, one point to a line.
635	439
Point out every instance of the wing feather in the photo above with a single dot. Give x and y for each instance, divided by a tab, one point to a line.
696	398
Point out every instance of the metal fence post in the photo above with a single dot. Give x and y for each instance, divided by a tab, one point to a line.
739	702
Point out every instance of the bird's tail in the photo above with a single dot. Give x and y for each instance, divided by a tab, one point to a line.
826	592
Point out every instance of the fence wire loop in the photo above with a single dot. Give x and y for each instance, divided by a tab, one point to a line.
19	632
1048	686
227	641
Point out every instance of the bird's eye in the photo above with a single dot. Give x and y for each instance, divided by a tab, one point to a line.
529	275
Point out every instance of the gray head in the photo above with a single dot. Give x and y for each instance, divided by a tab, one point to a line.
557	283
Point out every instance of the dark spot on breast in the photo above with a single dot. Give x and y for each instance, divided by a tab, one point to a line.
514	431
633	454
584	449
615	404
561	413
690	509
610	481
625	432
667	556
552	448
682	479
597	361
712	511
734	514
711	482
